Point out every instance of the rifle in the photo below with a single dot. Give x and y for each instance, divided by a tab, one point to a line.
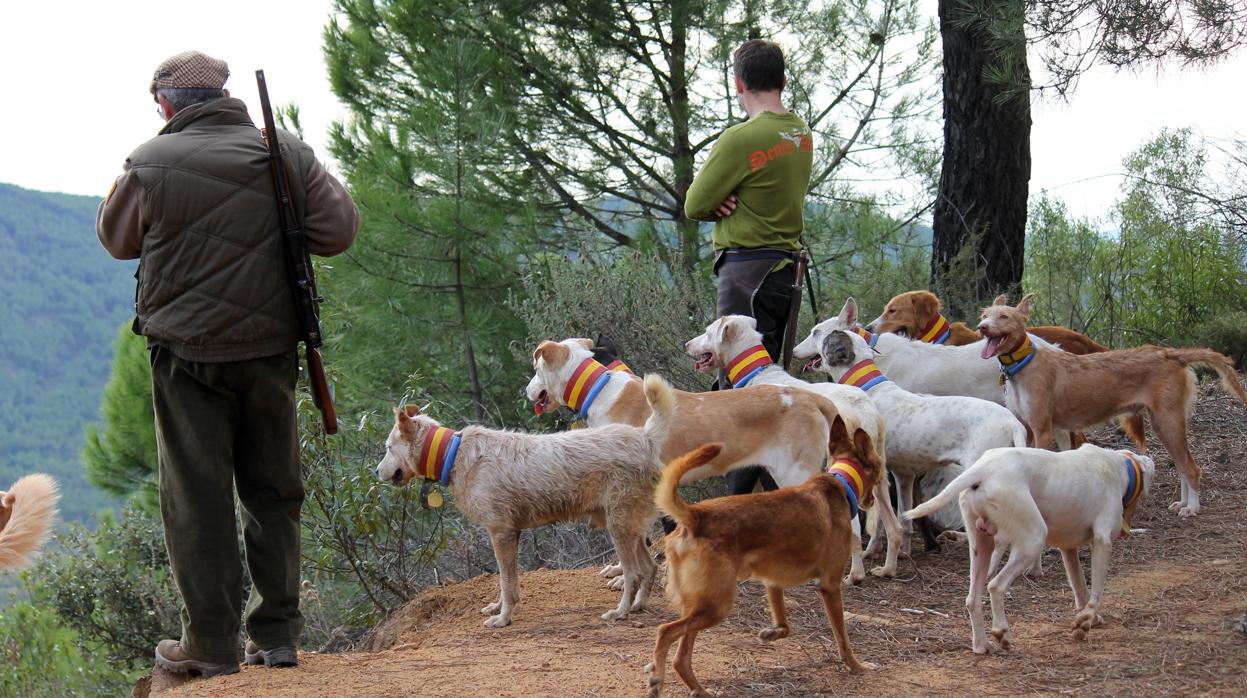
794	310
299	265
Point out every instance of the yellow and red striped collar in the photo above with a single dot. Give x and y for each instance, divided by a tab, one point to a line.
864	374
747	364
1134	490
1016	360
437	455
584	385
937	332
851	474
619	366
870	337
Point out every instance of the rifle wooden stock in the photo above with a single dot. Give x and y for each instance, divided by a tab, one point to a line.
320	390
794	311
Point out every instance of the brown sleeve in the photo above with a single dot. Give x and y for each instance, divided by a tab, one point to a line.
119	222
331	219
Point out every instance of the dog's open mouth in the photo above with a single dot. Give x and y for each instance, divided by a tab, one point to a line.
992	347
704	362
542	405
813	364
398	478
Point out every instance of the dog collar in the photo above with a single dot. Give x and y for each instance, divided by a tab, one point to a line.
864	374
870	337
1017	359
620	366
747	364
1134	490
850	474
583	387
937	332
437	456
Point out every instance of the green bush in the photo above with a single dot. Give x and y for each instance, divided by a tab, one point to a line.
41	657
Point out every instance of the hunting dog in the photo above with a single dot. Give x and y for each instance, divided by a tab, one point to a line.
508	481
781	538
784	429
1029	498
1052	389
916	314
26	514
734	342
925	432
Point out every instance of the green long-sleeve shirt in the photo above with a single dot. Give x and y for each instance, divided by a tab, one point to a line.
766	163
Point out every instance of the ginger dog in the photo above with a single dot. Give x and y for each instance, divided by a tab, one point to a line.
1050	389
26	514
916	314
781	538
1030	498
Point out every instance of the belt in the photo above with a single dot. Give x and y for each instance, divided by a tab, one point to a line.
755	254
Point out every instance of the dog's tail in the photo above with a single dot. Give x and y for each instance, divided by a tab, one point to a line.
667	496
963	481
661	398
1222	364
33	505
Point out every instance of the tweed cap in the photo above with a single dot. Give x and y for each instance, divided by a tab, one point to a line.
190	69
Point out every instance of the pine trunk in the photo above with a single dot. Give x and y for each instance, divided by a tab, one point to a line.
986	172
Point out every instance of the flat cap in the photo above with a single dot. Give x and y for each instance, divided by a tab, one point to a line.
191	69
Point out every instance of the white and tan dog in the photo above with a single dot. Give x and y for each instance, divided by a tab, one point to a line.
733	341
925	432
26	514
1030	498
784	429
508	481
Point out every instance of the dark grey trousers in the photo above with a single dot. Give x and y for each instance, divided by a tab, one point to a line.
221	426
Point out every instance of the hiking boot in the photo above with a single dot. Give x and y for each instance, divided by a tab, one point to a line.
171	657
276	657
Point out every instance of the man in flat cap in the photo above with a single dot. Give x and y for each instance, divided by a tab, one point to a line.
196	206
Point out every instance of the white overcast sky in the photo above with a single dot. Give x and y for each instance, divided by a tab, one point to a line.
75	78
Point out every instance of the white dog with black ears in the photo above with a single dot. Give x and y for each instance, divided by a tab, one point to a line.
925	432
734	342
1030	498
508	481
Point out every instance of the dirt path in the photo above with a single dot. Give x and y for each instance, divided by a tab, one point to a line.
1174	593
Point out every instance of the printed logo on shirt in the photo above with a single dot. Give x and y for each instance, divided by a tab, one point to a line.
789	142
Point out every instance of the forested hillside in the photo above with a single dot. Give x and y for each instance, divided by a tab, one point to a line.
62	298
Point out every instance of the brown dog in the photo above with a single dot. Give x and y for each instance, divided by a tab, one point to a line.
26	514
1052	389
781	538
917	314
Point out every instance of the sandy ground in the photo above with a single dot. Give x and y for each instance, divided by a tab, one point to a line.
1175	595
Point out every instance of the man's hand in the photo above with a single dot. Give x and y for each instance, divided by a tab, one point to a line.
726	208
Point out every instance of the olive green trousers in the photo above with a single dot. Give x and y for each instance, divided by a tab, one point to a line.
221	426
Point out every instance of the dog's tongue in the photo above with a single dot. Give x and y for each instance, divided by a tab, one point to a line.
539	407
990	348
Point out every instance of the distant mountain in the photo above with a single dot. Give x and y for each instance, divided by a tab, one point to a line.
62	299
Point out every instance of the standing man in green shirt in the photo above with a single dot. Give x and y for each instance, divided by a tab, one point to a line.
753	187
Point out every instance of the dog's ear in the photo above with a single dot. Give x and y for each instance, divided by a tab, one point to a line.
1024	305
848	314
727	329
926	304
405	413
1002	299
553	353
837	349
839	433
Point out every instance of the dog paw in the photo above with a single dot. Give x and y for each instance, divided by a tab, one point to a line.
491	609
616	583
654	683
611	571
1003	637
498	621
615	614
1188	512
1177	505
854	579
884	571
774	633
863	667
700	693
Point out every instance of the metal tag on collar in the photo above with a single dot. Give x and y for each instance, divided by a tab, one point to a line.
431	495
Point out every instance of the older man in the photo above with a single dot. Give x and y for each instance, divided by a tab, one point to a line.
196	206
